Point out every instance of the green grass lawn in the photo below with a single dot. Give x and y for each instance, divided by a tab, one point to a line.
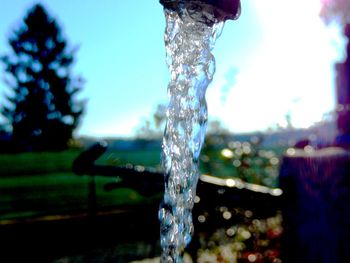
36	163
39	184
58	193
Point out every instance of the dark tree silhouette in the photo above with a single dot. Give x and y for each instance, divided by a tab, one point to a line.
41	108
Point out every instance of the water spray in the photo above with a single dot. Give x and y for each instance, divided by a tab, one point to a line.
192	27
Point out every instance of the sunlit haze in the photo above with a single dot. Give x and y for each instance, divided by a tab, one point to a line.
276	60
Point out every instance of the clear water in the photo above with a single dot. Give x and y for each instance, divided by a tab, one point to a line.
188	42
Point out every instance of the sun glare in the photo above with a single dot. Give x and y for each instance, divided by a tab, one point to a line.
291	75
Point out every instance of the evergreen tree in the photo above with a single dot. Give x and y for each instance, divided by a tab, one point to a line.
42	109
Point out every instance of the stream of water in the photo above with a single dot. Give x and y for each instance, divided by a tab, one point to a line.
188	42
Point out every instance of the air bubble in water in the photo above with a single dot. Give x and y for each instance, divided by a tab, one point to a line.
188	54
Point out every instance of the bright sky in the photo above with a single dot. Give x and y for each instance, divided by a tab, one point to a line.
276	59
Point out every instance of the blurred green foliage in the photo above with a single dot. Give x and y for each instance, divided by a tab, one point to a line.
41	110
248	160
222	155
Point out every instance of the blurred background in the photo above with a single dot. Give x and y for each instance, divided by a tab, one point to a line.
81	72
121	54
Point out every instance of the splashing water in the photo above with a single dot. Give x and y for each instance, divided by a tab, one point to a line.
188	43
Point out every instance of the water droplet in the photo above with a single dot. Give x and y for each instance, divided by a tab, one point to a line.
227	215
191	65
201	219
